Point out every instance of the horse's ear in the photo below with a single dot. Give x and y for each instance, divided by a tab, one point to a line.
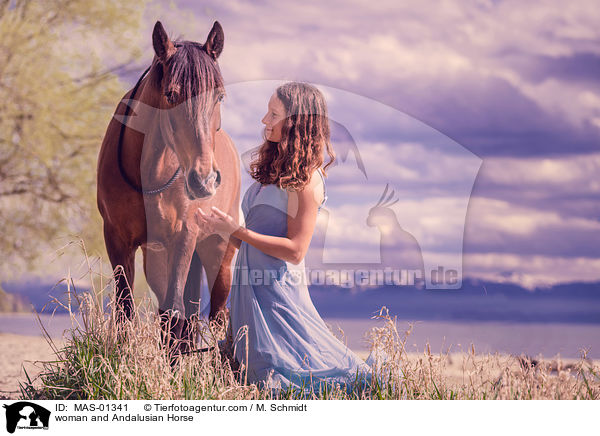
163	47
215	41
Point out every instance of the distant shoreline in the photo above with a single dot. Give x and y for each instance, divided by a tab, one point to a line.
477	301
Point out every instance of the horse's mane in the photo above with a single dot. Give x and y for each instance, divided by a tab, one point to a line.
197	76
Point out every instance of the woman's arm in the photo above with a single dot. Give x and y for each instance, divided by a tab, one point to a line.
235	241
302	218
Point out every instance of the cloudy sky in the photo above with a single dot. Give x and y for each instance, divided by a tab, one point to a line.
483	116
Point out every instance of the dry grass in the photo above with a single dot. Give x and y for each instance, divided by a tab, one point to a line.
100	361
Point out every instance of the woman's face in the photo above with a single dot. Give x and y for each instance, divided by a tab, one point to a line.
274	118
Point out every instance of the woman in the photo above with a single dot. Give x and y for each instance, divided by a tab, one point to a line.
289	345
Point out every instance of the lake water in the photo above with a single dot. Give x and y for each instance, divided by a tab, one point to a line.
516	338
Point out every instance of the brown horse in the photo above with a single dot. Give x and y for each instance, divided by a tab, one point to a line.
153	174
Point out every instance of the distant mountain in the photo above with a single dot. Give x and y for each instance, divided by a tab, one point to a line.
40	294
13	303
476	301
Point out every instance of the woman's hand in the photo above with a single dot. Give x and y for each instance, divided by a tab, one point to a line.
217	222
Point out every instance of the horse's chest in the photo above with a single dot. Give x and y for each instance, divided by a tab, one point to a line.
165	217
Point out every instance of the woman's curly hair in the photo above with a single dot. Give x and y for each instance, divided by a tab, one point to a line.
305	134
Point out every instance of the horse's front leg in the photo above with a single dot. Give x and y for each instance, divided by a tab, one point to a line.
172	310
121	253
217	254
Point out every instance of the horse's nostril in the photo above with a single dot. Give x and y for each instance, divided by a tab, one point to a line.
194	179
218	179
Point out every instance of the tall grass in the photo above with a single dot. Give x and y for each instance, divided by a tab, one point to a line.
102	360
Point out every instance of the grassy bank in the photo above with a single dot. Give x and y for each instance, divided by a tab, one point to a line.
100	361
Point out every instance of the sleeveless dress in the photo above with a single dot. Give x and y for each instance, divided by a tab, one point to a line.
289	345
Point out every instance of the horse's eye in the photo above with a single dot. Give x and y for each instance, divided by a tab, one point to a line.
221	97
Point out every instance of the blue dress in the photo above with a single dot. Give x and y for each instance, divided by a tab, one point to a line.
289	345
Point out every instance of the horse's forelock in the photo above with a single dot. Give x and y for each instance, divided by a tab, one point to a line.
196	74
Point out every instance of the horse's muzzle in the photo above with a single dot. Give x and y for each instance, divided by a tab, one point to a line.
196	187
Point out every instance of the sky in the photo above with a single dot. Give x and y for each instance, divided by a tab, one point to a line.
483	117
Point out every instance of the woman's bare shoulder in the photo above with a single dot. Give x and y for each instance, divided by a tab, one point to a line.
314	187
313	190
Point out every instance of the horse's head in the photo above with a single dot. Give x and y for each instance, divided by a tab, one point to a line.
188	88
381	215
